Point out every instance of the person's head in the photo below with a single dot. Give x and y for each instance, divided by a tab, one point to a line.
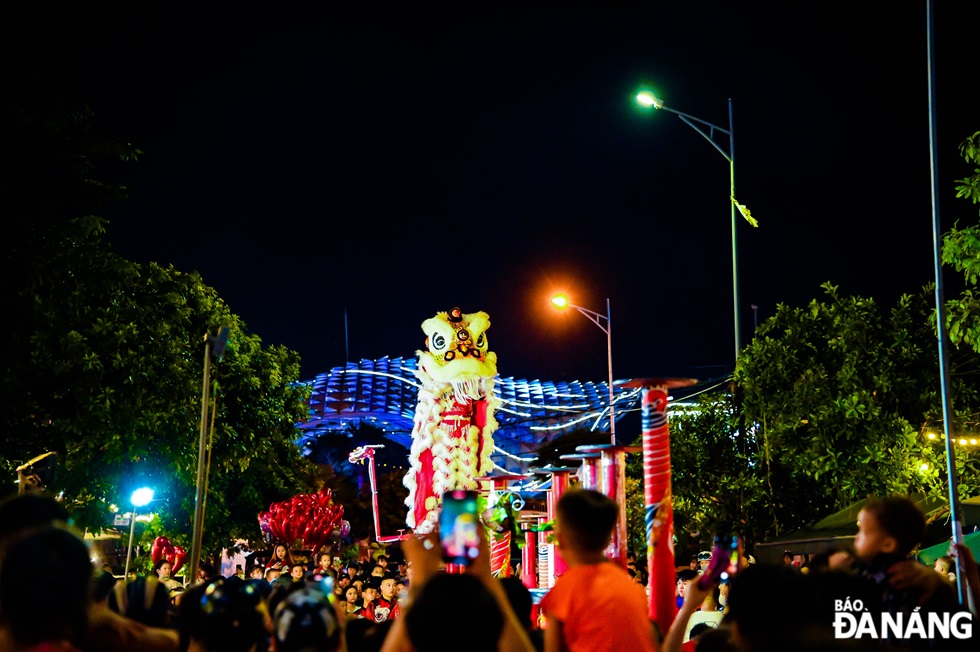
271	575
352	595
888	526
378	571
45	586
256	573
943	565
343	581
370	592
30	510
723	590
206	571
226	615
787	558
585	521
704	560
280	553
426	623
305	622
353	569
388	587
382	561
297	571
162	569
144	599
762	617
325	560
684	578
358	584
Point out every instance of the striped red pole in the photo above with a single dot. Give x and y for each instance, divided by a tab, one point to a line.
659	513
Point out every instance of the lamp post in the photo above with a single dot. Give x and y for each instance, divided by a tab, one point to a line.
140	498
561	302
648	99
213	346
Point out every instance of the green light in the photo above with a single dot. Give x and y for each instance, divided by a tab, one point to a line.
648	99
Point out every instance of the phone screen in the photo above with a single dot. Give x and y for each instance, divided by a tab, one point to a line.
458	527
725	560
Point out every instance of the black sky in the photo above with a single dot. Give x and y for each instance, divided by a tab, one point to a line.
397	163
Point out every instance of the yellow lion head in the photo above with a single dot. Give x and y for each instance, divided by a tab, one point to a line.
457	347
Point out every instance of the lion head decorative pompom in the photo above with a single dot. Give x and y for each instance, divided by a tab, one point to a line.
452	439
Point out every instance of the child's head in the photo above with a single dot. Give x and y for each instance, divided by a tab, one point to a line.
585	520
892	526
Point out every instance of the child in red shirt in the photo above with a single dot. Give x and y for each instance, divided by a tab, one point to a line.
594	606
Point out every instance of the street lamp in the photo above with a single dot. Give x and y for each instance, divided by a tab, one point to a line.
562	302
648	99
213	347
140	498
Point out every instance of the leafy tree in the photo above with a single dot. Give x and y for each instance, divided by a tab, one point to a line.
103	362
841	394
111	376
961	250
715	487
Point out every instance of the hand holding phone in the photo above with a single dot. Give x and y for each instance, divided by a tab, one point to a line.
725	561
459	526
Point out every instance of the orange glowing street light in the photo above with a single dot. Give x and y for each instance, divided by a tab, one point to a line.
561	301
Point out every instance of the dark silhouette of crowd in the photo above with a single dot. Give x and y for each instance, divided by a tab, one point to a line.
52	599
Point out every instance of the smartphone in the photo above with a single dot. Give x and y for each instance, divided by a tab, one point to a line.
459	526
726	558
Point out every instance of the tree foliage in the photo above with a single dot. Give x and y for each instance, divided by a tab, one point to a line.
838	399
715	487
841	395
104	359
110	377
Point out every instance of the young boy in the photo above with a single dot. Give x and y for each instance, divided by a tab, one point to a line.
594	605
888	531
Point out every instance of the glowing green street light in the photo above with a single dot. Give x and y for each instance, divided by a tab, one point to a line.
140	498
647	99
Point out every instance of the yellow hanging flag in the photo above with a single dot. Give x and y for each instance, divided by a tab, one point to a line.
744	210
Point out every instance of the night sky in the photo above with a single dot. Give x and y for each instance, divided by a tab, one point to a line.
392	164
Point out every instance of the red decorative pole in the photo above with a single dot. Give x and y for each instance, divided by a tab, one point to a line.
560	481
659	515
612	483
358	456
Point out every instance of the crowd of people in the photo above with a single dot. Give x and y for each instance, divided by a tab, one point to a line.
872	596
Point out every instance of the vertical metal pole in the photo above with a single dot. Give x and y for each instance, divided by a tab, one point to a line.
954	510
612	412
129	550
736	300
202	445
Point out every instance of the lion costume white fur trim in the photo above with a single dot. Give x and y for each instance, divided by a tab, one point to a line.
452	437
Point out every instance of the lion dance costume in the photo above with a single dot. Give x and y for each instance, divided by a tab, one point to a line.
452	438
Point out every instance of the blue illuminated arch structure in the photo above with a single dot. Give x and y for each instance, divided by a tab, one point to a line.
384	394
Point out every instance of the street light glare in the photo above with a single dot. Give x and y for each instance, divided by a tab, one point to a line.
142	497
646	98
560	301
